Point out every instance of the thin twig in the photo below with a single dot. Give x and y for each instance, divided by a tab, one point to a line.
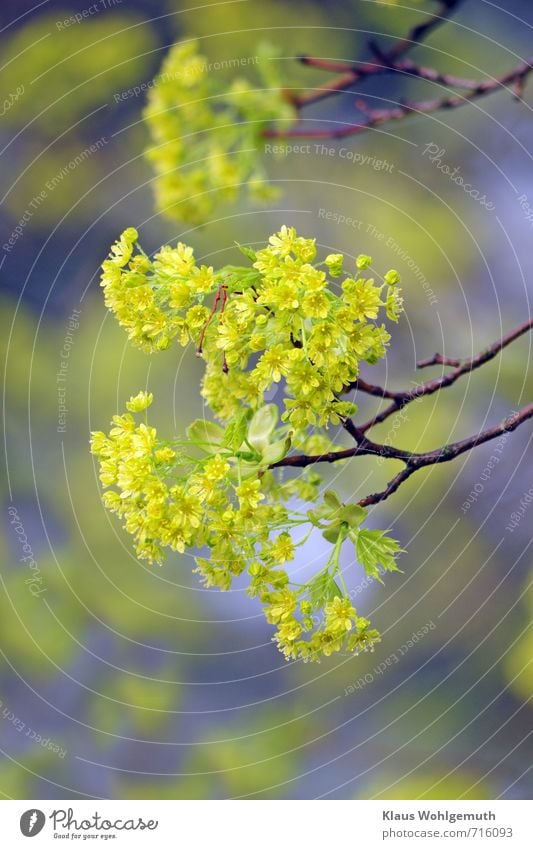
439	360
421	31
392	61
200	348
376	117
365	448
372	389
352	72
413	461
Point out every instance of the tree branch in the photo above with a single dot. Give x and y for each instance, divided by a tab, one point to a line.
391	62
448	452
422	30
402	398
415	461
438	360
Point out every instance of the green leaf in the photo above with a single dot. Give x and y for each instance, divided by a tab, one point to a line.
373	548
353	514
332	500
236	431
335	530
322	589
243	471
237	277
317	515
262	426
248	252
275	451
207	435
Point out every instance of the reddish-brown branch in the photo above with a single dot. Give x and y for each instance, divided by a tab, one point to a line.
422	30
221	297
365	448
327	89
415	461
200	348
351	73
401	398
372	389
222	308
447	453
392	61
438	360
376	117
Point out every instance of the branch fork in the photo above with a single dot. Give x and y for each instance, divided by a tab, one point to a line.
393	61
414	461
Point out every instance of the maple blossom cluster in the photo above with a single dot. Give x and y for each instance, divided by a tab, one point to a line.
284	318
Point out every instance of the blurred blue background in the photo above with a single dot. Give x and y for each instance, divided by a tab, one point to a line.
121	680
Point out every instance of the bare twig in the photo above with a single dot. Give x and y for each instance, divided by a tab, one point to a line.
392	62
421	31
413	461
448	452
351	72
383	65
402	398
389	62
439	360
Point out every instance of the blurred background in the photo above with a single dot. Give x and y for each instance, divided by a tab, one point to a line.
121	680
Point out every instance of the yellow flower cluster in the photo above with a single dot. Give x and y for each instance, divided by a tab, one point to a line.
161	505
156	300
167	502
205	130
343	629
281	319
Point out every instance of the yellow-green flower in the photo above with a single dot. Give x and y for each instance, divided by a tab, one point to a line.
249	493
282	549
334	262
140	402
363	261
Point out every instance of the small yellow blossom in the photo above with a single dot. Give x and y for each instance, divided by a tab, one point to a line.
140	402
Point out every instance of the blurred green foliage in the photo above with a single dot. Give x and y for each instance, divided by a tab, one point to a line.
431	785
59	79
68	72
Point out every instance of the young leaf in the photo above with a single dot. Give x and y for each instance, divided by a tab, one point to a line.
332	500
236	431
353	515
262	425
335	530
322	589
248	252
318	514
373	548
207	435
275	451
243	471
